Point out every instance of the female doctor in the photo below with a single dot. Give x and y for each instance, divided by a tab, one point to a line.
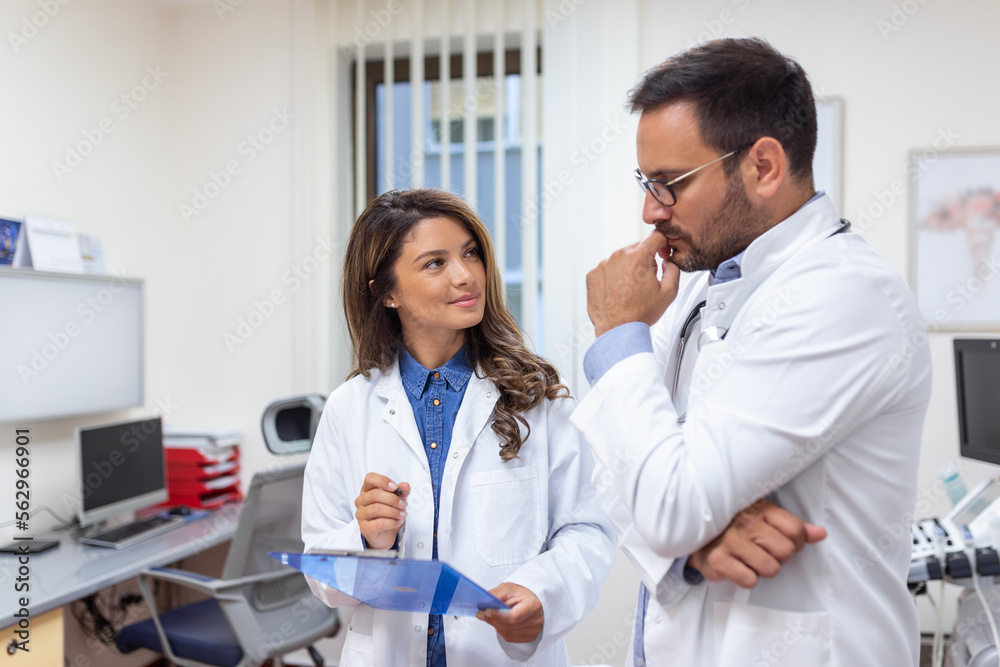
451	441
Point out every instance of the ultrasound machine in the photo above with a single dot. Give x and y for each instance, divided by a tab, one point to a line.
962	546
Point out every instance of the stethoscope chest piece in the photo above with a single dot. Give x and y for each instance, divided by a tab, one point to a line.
711	335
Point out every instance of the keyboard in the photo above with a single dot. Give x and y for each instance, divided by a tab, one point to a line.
128	534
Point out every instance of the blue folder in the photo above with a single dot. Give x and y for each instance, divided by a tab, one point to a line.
396	584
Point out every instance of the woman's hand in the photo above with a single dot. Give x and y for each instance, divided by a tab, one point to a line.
522	623
380	510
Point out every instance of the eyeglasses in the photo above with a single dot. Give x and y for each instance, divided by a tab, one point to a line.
663	191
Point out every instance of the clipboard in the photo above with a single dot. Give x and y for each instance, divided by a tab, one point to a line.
394	584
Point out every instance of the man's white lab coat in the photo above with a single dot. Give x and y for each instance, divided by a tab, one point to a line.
816	398
533	521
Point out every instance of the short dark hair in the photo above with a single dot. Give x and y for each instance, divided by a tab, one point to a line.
742	90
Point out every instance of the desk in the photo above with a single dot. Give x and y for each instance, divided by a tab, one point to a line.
73	570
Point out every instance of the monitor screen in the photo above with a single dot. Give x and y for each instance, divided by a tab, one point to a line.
977	373
121	469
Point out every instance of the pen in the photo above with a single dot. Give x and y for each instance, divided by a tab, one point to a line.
398	491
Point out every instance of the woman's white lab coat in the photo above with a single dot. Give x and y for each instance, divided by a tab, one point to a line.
533	521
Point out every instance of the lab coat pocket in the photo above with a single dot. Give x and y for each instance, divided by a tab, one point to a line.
763	637
508	511
359	650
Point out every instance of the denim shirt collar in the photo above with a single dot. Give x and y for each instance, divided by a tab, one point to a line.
728	270
456	371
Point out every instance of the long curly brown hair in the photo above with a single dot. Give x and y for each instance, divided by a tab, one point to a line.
496	347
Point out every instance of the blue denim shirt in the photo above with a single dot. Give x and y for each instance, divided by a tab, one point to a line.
435	396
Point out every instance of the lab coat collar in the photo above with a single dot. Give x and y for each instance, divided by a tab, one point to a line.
397	411
473	415
815	220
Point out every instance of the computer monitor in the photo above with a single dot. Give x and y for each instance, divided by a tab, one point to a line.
121	469
977	374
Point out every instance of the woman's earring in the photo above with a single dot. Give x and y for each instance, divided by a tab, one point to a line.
393	304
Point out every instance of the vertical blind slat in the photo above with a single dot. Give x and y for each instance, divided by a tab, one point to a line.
499	143
445	96
360	140
390	80
469	104
529	172
417	96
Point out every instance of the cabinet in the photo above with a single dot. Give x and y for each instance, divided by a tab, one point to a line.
45	642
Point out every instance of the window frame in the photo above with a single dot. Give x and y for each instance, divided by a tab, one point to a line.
375	75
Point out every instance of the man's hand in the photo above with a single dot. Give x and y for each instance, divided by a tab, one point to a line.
522	623
380	511
757	542
624	287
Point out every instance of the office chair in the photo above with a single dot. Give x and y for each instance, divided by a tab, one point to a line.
289	424
258	608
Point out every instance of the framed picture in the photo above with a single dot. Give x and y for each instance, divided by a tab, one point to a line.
955	232
8	240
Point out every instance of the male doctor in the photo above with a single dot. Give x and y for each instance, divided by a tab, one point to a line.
793	367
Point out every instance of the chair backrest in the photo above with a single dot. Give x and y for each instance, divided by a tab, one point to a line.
271	520
279	614
289	424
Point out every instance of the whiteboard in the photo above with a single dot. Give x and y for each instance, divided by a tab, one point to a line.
69	344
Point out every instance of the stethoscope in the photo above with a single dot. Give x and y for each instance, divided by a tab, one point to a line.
709	335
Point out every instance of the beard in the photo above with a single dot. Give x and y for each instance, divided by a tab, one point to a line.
728	231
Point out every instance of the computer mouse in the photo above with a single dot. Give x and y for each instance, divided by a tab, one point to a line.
180	511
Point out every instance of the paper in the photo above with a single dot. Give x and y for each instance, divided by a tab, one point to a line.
92	255
51	245
395	584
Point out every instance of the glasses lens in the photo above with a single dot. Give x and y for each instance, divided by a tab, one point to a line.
663	194
660	192
640	181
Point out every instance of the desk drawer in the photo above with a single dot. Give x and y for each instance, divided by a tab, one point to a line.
45	642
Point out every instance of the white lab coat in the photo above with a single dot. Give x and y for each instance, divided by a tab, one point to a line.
533	521
815	398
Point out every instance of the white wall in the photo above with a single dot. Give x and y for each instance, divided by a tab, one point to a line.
238	301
